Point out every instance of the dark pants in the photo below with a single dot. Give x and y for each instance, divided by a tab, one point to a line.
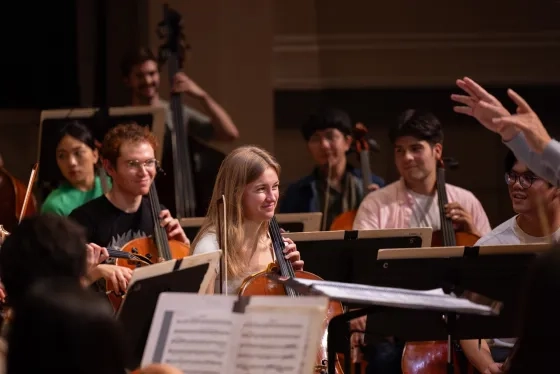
384	357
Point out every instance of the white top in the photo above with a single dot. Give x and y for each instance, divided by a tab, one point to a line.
209	243
509	233
425	211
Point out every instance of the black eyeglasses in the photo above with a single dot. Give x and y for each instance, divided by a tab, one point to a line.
525	181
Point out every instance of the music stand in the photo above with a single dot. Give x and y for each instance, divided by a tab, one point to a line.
494	271
382	299
98	123
347	256
191	274
191	226
300	222
291	222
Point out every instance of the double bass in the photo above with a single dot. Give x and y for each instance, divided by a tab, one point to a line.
192	162
261	284
147	251
362	145
431	357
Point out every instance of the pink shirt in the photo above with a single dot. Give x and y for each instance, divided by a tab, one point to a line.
392	207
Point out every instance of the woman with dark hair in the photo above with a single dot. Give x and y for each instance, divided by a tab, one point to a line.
66	329
76	157
537	348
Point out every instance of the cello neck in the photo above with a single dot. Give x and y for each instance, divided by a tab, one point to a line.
285	266
446	224
366	169
160	235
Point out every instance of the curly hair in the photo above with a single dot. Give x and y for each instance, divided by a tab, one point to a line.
125	133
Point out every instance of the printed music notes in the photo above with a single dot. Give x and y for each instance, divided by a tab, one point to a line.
218	334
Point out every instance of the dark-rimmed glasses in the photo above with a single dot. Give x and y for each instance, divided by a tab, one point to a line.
525	181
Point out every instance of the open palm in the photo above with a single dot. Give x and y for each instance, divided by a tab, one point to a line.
478	103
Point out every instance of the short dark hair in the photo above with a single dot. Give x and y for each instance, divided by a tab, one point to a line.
327	118
41	247
81	322
509	161
419	124
136	56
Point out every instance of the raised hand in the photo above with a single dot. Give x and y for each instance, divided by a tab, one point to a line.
526	121
478	103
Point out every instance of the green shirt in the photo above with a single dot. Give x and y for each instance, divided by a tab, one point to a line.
66	198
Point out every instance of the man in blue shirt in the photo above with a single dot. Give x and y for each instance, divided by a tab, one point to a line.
333	182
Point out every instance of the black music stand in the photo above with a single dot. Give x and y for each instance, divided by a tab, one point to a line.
380	300
348	256
99	121
138	307
497	272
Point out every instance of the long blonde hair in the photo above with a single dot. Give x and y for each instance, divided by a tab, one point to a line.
240	167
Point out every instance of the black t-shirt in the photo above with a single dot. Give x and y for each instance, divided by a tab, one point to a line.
108	226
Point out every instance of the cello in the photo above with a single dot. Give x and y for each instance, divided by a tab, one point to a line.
362	145
147	251
261	284
16	200
431	357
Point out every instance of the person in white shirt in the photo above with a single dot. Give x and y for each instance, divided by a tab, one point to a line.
532	198
529	196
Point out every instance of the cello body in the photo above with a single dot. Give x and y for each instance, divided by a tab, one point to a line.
12	198
146	250
430	357
261	284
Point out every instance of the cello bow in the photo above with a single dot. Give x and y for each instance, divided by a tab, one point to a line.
172	51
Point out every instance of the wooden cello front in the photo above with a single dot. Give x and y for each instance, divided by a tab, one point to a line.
431	357
261	284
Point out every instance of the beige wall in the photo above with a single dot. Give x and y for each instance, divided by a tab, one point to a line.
414	43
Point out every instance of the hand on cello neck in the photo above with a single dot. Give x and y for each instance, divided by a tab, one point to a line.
172	227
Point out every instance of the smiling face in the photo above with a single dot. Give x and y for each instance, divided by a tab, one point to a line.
329	146
135	168
144	80
261	196
415	159
526	189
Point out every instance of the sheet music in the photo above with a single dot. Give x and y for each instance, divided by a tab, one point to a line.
396	297
197	342
202	334
197	339
271	343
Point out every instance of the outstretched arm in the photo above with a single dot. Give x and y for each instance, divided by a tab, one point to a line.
523	132
223	125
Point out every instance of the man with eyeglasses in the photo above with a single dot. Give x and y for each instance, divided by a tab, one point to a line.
333	182
529	196
124	213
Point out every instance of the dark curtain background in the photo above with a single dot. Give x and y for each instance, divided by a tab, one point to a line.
39	55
